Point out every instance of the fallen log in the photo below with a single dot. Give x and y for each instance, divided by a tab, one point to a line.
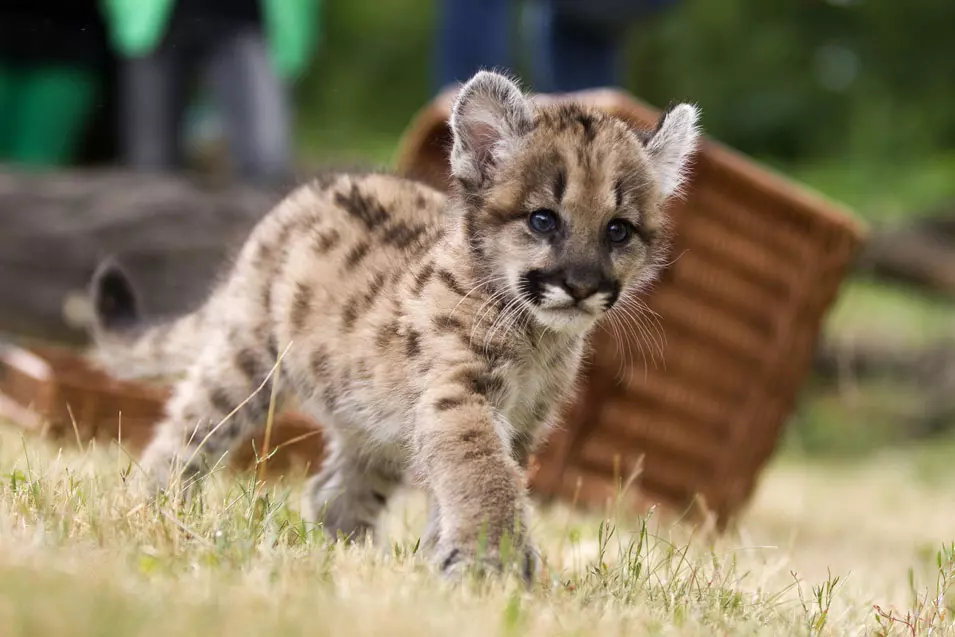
172	233
928	370
881	359
920	256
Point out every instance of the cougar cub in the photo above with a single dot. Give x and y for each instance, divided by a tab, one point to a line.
434	337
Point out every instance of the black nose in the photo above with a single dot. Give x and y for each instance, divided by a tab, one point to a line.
581	283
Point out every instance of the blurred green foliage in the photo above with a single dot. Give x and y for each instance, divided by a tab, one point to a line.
852	96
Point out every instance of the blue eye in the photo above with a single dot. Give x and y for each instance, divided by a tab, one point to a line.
543	221
618	231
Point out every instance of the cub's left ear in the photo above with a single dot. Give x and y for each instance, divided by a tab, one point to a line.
671	146
488	120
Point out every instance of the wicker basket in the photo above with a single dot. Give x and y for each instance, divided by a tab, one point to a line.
53	391
757	261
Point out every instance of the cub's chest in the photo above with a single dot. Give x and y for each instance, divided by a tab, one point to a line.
534	389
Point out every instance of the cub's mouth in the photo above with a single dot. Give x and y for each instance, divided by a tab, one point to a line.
566	309
566	293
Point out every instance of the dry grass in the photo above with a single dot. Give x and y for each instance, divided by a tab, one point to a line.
80	555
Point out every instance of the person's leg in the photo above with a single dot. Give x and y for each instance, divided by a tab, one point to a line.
152	93
472	35
254	104
570	55
51	110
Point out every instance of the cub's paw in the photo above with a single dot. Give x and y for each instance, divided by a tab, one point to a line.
163	477
456	562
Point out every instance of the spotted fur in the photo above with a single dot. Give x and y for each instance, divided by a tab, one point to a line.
434	337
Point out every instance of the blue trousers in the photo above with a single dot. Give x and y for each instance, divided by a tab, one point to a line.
566	55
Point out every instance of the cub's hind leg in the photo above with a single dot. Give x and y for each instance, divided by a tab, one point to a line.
349	493
214	408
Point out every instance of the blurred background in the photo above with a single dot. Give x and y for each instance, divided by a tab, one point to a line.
853	98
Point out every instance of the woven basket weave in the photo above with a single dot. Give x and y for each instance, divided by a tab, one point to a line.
55	392
757	261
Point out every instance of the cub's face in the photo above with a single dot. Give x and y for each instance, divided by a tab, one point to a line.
565	204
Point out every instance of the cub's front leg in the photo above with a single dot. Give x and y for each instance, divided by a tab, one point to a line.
463	451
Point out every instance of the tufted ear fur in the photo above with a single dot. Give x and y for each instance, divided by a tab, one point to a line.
488	119
671	145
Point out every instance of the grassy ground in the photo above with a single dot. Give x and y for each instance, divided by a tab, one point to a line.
821	545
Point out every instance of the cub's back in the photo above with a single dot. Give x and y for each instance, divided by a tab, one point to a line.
332	246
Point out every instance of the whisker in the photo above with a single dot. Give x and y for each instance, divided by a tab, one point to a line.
481	284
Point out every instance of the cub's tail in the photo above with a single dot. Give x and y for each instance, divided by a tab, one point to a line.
124	344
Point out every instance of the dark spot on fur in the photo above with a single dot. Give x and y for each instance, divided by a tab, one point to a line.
618	193
301	305
446	404
470	225
412	344
429	241
479	382
278	249
274	267
328	397
395	275
448	279
220	401
375	285
614	294
531	285
356	254
470	435
478	453
362	371
262	255
468	187
419	201
319	363
542	409
447	323
362	302
191	418
494	353
402	234
422	277
248	363
350	314
259	401
588	124
379	497
367	209
502	216
386	333
560	185
326	241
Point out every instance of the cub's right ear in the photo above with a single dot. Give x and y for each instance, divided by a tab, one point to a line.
116	305
488	119
671	146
